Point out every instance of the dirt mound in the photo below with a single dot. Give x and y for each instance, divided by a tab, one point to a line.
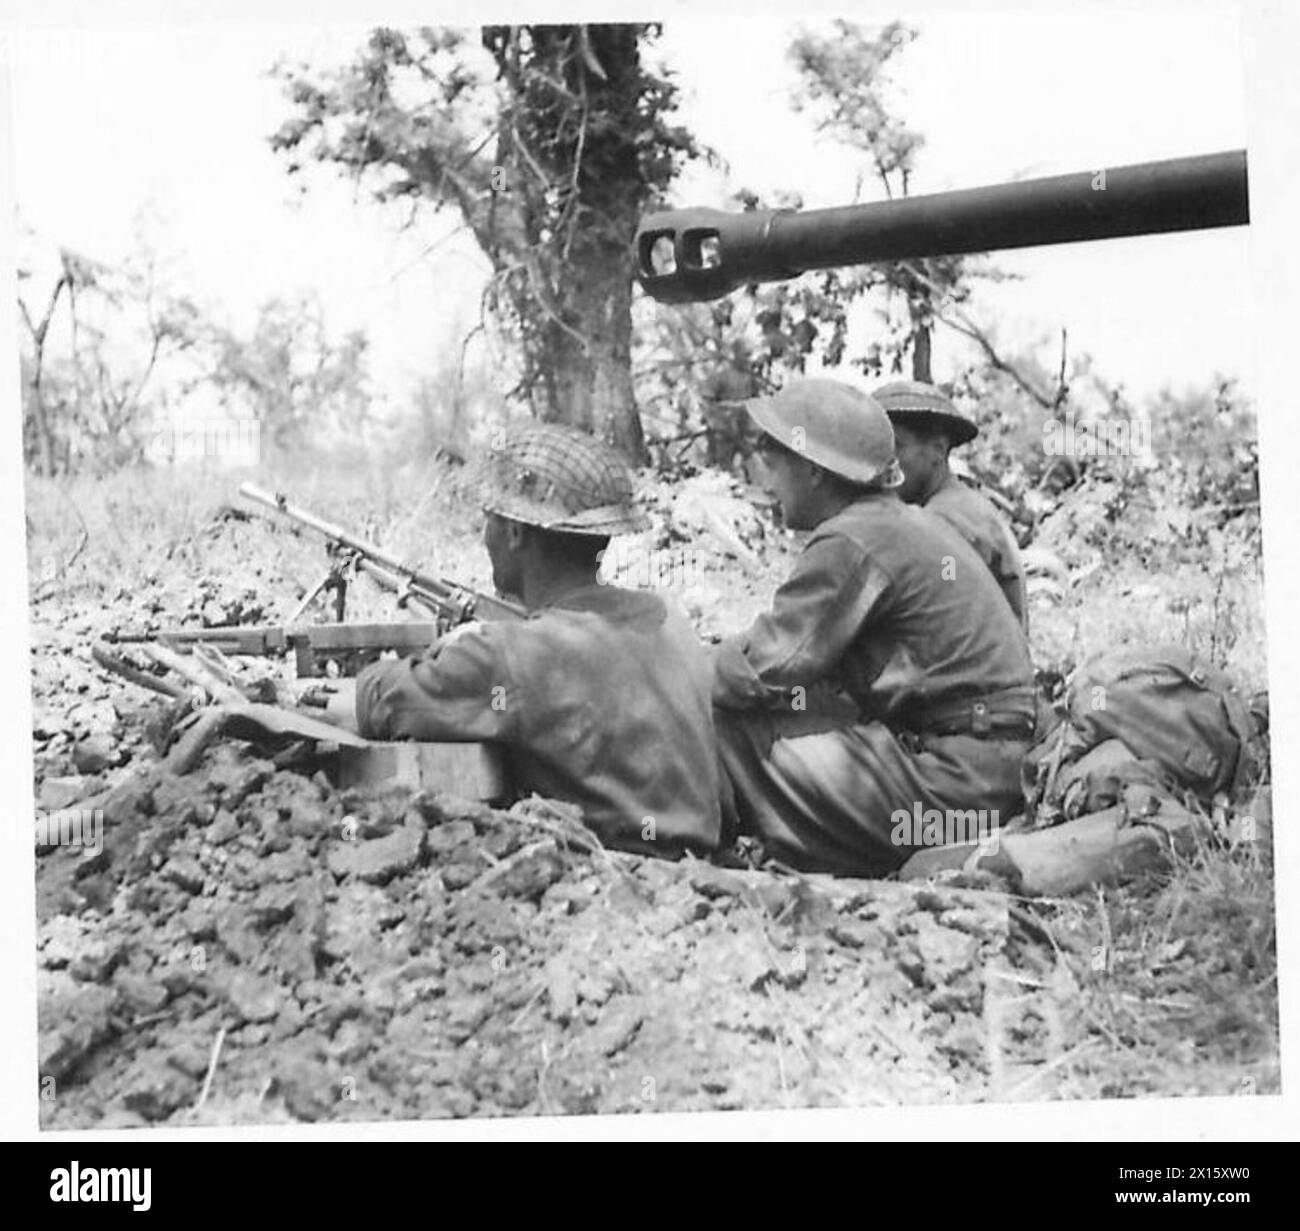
251	944
397	954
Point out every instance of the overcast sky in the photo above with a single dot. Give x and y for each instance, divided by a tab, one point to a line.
176	119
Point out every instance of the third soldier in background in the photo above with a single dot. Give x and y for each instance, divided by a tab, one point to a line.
927	428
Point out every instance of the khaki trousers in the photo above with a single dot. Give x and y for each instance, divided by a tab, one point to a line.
823	794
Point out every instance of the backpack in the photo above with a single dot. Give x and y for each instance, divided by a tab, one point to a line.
1139	722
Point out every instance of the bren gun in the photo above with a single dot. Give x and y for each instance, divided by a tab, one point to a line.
246	711
314	646
450	604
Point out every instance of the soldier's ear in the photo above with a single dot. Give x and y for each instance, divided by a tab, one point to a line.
818	476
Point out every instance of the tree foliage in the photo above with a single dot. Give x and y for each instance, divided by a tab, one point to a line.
549	141
1192	484
1211	440
119	367
96	336
845	86
289	374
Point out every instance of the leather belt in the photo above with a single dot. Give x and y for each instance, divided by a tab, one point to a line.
1003	715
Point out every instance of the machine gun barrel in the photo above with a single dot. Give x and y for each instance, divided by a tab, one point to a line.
458	603
687	255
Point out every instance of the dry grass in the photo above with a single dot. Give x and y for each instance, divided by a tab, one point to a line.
142	525
1176	975
1176	982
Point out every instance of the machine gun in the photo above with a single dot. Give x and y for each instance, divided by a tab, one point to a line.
214	700
450	604
337	648
687	255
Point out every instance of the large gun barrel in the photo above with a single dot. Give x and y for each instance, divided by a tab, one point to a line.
687	255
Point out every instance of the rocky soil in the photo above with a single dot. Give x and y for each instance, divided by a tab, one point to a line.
251	944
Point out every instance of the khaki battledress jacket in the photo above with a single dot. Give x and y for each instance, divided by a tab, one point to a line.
601	699
890	674
979	523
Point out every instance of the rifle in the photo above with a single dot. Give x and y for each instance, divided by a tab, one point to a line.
450	604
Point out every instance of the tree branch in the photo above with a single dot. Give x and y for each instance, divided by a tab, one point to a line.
1062	389
964	325
571	206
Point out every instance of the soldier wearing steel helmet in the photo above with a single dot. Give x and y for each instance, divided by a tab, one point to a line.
927	427
888	673
601	696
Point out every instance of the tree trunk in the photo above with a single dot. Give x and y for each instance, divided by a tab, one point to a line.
36	407
44	435
587	381
589	377
921	354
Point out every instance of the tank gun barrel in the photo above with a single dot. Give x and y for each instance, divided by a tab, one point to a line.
687	255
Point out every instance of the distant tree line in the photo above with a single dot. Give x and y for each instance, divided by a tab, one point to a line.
111	360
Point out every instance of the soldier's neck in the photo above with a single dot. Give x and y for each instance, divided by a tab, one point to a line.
546	583
941	476
835	502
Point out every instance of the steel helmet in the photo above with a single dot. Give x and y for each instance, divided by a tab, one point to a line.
914	399
840	428
558	478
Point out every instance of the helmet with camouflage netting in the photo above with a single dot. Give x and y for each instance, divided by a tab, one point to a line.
558	479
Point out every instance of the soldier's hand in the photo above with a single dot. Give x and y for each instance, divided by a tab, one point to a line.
333	702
